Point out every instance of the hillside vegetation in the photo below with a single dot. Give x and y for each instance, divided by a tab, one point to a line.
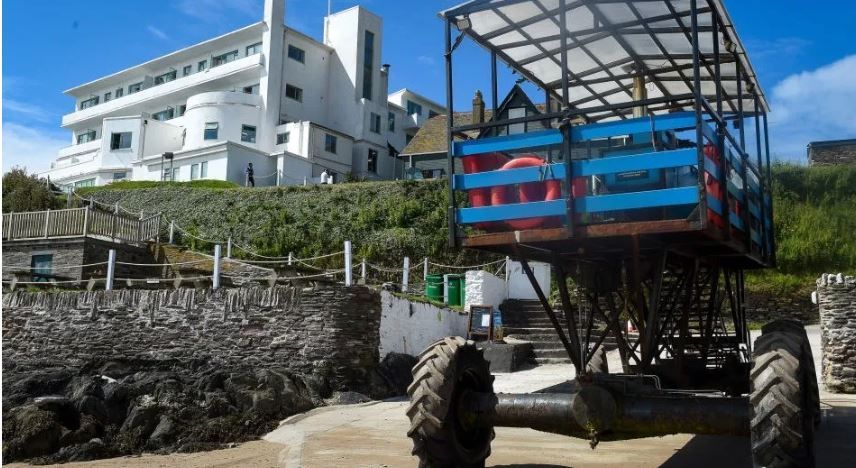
815	217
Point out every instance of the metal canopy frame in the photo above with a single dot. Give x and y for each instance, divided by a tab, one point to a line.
589	56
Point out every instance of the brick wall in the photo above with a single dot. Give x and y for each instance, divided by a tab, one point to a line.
836	298
328	332
831	154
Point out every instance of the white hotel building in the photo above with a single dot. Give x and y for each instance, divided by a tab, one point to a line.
263	94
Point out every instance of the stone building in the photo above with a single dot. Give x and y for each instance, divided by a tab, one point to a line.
836	297
832	152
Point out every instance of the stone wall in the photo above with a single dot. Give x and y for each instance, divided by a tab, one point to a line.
763	308
329	332
836	296
827	153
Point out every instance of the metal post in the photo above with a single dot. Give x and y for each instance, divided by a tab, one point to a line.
425	270
86	220
215	280
405	274
493	84
761	184
566	128
772	239
348	272
116	208
111	268
47	222
363	270
289	258
739	69
172	231
229	247
724	163
697	98
450	153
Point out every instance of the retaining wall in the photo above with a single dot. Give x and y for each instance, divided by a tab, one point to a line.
410	327
329	331
836	298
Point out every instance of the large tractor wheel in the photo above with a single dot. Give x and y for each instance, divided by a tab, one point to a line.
782	424
441	438
794	326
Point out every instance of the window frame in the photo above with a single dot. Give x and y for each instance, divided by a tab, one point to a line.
300	54
123	177
368	64
135	88
91	102
163	78
117	141
330	143
120	92
169	114
224	58
202	65
187	70
390	122
203	170
285	140
93	134
215	129
44	272
374	123
417	108
245	131
108	96
194	171
298	92
371	161
257	49
85	183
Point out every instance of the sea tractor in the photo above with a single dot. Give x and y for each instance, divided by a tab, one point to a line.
644	181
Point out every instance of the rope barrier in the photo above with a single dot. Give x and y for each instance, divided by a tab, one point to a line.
54	282
67	267
164	264
286	278
211	241
472	267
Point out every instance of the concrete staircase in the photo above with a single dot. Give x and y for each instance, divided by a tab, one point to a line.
526	320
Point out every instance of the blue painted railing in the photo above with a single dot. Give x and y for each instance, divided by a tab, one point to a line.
747	192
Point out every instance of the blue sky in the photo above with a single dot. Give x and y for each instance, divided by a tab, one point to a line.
805	56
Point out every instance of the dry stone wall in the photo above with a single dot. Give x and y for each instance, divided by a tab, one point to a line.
329	332
837	301
763	308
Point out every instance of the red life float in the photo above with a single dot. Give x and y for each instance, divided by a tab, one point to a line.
529	192
481	163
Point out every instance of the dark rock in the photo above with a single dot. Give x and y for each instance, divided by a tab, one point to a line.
163	431
216	404
41	382
30	432
395	369
141	418
94	407
347	398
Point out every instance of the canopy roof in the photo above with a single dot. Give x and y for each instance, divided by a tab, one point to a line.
608	43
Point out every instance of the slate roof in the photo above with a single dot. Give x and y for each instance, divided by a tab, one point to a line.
431	138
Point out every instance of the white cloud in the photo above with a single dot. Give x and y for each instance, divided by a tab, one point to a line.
211	11
157	32
426	60
813	105
26	110
30	147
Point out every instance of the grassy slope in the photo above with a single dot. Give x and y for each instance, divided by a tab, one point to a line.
815	211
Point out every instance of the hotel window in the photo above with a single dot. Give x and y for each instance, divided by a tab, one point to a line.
294	92
120	140
282	138
224	58
254	49
107	96
164	114
368	65
329	143
202	65
211	130
84	183
413	108
182	109
187	70
372	161
86	137
42	266
296	53
248	133
204	172
120	92
120	175
374	123
135	88
390	122
253	89
194	171
93	101
165	78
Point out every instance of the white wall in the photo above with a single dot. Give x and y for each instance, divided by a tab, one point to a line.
264	166
230	110
519	286
160	137
410	327
483	288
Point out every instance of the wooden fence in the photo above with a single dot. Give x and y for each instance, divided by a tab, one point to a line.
79	222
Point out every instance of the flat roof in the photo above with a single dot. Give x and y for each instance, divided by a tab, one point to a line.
820	144
182	54
420	96
609	43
